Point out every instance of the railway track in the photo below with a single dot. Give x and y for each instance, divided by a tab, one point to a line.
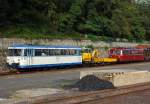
88	97
28	71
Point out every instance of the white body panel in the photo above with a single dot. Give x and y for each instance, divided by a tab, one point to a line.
55	60
44	61
16	59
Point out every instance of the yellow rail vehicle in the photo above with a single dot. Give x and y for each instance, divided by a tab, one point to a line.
89	56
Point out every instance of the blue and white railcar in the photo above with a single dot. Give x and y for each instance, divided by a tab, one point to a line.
38	56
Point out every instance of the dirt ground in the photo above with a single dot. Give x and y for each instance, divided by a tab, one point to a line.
141	97
52	79
10	85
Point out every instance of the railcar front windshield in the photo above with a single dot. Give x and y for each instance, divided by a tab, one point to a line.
14	52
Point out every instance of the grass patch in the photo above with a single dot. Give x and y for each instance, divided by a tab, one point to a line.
31	32
43	32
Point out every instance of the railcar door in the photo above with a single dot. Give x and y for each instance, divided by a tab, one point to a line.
127	56
28	54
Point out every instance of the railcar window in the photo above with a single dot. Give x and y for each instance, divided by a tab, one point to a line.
38	52
126	52
45	52
137	52
42	52
51	52
63	52
78	52
111	51
71	52
67	52
28	52
14	52
56	52
117	52
147	52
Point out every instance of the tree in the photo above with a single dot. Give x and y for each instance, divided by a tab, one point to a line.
112	18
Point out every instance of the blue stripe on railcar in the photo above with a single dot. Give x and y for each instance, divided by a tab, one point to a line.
49	65
44	46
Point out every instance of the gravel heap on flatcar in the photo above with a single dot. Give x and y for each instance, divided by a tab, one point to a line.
92	83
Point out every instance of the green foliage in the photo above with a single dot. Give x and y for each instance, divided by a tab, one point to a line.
144	10
90	47
104	19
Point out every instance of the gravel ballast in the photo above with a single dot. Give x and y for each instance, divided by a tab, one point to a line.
92	83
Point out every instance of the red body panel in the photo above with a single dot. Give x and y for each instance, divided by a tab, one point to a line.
127	54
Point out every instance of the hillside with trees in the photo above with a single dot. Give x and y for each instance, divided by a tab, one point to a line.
127	19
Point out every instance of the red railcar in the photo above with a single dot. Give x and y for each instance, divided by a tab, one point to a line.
127	54
146	51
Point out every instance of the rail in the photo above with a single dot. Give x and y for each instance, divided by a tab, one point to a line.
84	97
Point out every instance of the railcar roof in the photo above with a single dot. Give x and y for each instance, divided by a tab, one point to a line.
122	48
22	46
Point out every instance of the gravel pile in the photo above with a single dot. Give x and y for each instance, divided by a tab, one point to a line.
92	83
